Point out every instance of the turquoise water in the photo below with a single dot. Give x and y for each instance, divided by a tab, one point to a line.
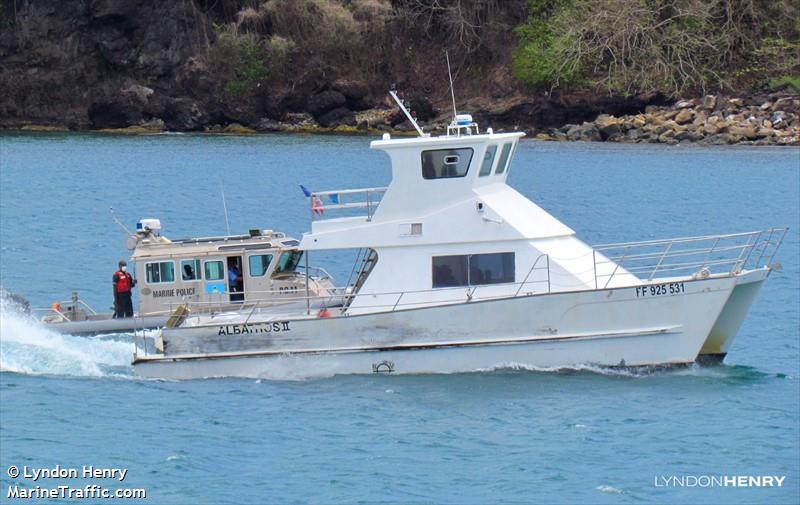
523	436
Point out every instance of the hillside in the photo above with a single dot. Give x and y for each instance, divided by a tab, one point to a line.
204	65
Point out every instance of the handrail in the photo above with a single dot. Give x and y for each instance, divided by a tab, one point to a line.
533	267
350	191
600	247
724	249
370	203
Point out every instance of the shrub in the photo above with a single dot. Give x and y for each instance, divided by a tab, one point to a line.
633	46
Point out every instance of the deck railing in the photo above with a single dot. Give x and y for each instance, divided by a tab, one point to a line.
345	199
704	255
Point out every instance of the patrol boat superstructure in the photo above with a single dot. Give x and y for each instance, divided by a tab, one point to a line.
194	272
460	272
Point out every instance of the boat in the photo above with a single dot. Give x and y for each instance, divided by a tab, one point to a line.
171	274
459	272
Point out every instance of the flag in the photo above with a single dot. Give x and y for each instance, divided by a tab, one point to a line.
306	191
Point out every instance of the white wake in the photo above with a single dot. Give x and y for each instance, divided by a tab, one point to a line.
29	347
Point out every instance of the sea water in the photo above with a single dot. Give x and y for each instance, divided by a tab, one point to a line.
507	435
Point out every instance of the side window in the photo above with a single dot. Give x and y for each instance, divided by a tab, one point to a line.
503	161
214	271
259	264
496	268
446	163
161	272
488	159
450	271
473	269
190	270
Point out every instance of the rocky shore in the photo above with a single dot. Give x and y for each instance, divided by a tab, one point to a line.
715	120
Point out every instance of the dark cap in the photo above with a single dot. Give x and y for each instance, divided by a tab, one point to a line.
122	263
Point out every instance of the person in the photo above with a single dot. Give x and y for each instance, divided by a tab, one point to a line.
234	283
123	284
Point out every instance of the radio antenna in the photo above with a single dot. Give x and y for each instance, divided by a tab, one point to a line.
224	206
452	93
118	222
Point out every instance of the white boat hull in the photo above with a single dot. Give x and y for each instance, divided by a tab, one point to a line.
720	338
606	327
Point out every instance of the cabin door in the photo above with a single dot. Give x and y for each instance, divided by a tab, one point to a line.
235	279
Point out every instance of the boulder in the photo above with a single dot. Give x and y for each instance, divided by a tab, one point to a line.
183	114
747	132
720	139
700	118
608	126
336	117
665	127
683	104
665	137
709	102
638	121
684	116
324	102
783	103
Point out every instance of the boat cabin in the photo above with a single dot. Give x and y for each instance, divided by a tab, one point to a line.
222	271
448	227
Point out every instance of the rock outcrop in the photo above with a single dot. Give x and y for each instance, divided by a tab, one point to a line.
761	120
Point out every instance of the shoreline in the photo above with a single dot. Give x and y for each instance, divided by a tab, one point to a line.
773	120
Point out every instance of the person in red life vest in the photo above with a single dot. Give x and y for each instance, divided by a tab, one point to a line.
123	284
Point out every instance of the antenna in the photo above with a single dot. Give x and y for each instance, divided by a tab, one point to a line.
452	93
224	206
119	223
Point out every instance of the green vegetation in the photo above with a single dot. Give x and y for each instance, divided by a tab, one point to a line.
786	81
246	61
624	47
669	46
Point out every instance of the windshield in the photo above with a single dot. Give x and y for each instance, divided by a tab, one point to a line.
288	262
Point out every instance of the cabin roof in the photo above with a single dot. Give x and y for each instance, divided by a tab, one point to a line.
162	247
443	140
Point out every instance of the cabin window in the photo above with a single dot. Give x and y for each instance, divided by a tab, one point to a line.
473	269
503	161
488	160
259	264
446	163
190	270
214	271
495	268
288	262
157	273
450	271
